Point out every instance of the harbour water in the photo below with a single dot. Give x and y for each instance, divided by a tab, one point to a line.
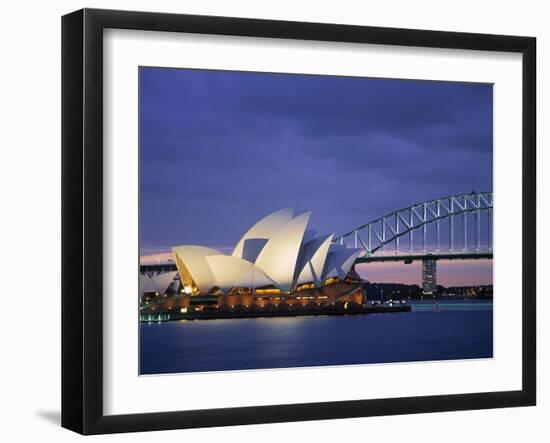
448	330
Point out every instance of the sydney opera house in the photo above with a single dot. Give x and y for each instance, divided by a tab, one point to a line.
278	264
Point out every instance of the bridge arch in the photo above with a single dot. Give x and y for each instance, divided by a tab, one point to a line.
391	228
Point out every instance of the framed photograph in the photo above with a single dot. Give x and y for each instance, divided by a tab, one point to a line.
268	221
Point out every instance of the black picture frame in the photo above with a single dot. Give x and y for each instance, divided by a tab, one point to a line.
82	215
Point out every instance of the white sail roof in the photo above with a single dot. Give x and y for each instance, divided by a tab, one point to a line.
164	280
232	272
263	231
279	256
254	278
142	282
313	260
340	261
346	266
191	262
146	284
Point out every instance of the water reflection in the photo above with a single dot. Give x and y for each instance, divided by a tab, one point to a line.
455	330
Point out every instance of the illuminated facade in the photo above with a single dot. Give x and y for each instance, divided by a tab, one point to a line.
278	267
276	256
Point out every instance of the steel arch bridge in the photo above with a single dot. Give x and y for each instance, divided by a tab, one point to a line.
462	223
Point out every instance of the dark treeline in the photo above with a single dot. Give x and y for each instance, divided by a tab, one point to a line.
398	291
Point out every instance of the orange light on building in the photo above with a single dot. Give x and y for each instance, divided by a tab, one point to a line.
268	291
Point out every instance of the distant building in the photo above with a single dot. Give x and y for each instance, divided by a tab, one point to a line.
429	276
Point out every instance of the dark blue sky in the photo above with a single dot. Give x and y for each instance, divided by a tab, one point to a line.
219	150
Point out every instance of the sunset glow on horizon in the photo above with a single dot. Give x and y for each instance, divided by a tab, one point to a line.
450	273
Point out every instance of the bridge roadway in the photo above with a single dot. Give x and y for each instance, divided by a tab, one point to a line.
409	258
